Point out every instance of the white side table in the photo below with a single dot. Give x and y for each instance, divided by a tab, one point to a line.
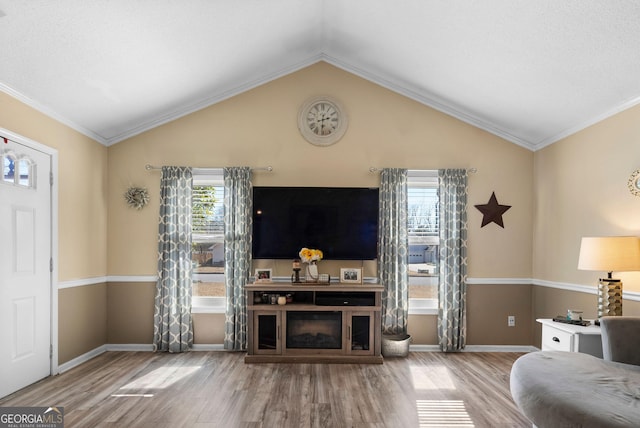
557	336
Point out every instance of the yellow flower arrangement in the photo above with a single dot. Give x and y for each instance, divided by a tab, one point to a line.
308	255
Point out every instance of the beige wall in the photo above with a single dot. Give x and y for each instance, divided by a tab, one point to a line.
488	307
130	316
258	128
581	190
130	312
208	328
82	320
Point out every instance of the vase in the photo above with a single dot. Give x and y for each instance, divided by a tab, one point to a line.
312	272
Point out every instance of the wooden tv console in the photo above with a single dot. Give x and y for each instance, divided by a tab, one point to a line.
318	325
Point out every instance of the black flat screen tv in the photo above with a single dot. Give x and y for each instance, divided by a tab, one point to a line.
340	221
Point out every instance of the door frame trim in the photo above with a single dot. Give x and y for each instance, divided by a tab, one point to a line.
53	277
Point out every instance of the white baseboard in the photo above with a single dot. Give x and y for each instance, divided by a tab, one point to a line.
100	350
132	347
126	347
500	348
81	359
424	348
209	347
144	347
477	348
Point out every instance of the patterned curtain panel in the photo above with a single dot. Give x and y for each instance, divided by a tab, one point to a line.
393	245
172	327
452	288
237	253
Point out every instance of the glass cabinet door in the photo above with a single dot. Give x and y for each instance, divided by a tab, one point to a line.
267	335
360	333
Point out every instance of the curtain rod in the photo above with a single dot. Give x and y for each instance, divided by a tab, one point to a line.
264	168
373	169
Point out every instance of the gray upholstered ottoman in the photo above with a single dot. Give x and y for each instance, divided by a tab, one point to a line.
570	389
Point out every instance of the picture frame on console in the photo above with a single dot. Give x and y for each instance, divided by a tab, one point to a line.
351	275
263	275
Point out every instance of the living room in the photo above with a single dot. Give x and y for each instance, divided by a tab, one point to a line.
107	252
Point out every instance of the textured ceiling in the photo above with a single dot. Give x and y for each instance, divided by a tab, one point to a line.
531	72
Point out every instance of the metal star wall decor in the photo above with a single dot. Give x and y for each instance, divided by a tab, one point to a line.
492	211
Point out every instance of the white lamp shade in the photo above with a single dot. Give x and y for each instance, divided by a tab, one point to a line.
610	253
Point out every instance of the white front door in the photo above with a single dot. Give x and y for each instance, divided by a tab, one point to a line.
25	273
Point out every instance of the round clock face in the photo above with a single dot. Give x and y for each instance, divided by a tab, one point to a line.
322	121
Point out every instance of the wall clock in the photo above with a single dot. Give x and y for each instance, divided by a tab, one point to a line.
322	121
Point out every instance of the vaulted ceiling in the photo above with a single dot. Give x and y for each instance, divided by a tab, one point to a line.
531	72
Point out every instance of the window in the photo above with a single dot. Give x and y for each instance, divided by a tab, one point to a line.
423	230
19	171
208	239
8	168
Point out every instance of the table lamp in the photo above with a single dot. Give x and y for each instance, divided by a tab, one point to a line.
610	253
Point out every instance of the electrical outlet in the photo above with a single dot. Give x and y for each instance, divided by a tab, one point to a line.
511	320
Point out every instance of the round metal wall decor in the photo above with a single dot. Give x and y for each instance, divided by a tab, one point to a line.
634	183
137	197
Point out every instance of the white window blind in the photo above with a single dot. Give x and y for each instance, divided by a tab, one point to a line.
208	213
423	218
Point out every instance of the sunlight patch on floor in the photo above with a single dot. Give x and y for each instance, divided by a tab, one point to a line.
132	395
443	413
431	377
161	378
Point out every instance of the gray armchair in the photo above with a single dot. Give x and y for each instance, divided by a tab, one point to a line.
575	390
621	339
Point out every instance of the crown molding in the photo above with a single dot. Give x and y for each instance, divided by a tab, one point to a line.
208	101
428	100
632	102
405	90
226	93
51	113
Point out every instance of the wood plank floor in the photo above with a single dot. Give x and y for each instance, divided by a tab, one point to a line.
217	389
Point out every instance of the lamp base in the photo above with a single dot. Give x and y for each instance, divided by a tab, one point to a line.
609	297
